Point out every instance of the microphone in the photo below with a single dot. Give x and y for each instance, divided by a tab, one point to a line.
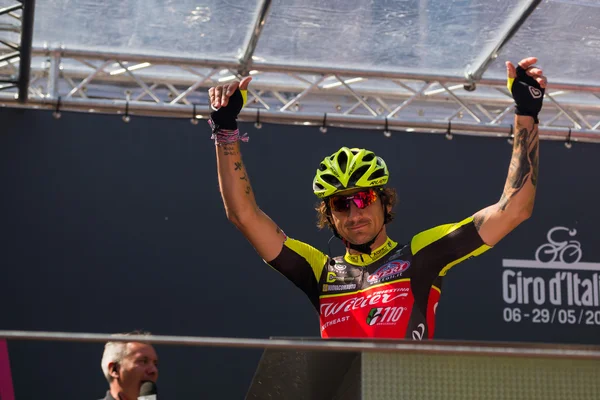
148	391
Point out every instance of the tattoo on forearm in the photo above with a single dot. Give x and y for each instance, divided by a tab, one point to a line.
238	166
229	150
534	157
523	165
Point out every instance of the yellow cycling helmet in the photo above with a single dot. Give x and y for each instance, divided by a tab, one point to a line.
348	169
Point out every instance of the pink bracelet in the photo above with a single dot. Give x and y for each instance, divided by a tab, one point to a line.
224	136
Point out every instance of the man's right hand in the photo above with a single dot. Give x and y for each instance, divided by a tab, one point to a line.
226	102
219	95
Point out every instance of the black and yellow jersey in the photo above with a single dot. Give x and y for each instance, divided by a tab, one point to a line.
391	293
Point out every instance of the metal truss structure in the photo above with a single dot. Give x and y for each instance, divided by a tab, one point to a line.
136	84
12	53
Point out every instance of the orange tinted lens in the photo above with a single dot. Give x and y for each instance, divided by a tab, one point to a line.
364	199
339	203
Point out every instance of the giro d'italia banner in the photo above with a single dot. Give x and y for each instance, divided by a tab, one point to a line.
556	286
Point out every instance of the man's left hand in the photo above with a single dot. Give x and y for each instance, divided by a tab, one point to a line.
527	84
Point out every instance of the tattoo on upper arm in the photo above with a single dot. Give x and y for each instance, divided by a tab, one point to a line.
278	230
503	202
245	178
248	190
238	165
480	218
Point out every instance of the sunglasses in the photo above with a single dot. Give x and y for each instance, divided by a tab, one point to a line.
361	199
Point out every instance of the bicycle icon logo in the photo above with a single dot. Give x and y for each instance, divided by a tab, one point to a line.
568	251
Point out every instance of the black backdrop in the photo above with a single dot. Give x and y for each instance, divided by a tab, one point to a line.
109	227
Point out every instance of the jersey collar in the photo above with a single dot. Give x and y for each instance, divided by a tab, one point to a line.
366	259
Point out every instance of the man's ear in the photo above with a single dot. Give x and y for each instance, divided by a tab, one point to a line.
386	213
328	214
113	370
330	219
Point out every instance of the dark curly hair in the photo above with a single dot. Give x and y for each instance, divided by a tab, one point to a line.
387	196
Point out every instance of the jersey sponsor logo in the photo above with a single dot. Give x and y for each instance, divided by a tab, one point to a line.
389	270
337	288
383	250
355	303
385	315
395	255
353	258
335	322
332	277
418	333
339	267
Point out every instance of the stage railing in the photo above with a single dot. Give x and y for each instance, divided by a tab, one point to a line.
311	368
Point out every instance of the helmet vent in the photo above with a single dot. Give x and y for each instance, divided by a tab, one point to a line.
357	174
380	173
331	179
343	162
368	157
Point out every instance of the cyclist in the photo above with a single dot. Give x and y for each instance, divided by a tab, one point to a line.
378	289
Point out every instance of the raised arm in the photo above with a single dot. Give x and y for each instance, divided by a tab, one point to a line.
234	182
527	85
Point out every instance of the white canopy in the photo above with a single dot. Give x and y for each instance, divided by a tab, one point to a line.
363	63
